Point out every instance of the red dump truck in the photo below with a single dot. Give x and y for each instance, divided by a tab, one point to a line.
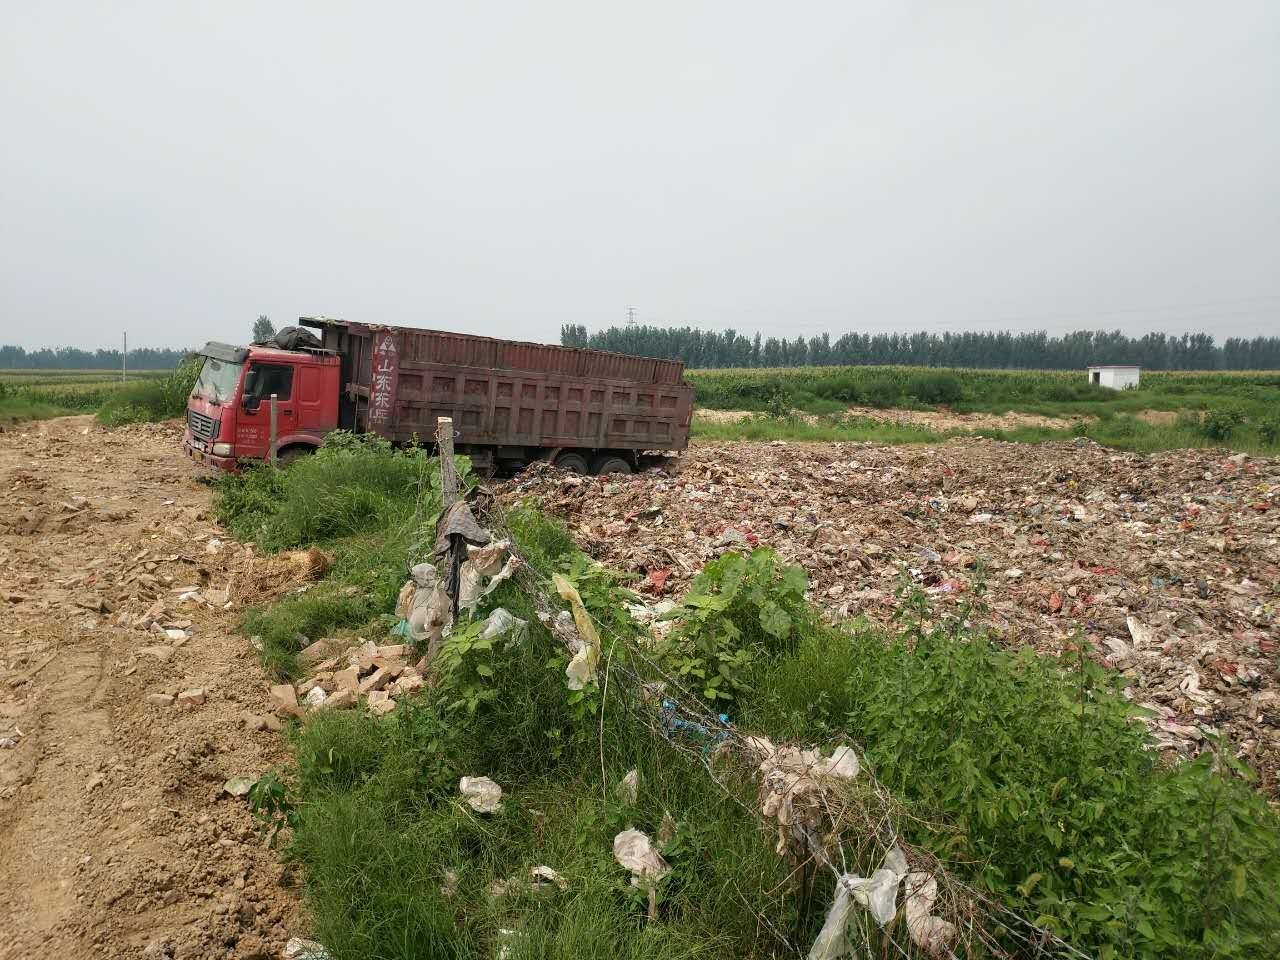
511	403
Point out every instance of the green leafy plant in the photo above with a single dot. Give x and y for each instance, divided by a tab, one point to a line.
273	804
465	667
1221	422
738	610
1269	429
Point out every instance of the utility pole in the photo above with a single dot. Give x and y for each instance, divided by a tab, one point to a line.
124	359
631	316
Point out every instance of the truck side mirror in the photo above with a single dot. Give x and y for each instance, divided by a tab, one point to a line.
251	403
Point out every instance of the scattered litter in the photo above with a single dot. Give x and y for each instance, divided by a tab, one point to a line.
315	696
239	786
582	668
544	878
300	949
633	850
933	935
481	794
628	788
794	784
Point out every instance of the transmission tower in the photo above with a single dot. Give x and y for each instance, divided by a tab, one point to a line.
631	316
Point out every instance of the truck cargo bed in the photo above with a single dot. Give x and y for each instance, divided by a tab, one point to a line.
506	394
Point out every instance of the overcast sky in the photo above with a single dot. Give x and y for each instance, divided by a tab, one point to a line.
175	169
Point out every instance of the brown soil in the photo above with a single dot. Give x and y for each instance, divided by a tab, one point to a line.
115	834
939	420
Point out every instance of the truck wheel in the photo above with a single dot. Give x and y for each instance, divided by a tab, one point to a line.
604	465
290	454
573	462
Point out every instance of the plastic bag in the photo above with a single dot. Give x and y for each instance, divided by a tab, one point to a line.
933	935
481	793
878	894
633	850
582	668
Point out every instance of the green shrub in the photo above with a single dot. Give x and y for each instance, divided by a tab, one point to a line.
151	400
739	612
936	387
1038	776
1269	429
883	392
1221	422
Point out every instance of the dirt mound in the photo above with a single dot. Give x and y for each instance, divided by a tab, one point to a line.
1168	564
123	702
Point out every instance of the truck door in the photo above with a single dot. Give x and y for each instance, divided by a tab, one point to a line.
253	426
313	414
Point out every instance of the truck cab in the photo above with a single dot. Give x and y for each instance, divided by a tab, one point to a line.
229	409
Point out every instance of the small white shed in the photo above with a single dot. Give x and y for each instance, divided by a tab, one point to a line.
1115	377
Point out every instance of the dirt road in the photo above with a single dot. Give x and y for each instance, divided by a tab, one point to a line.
116	837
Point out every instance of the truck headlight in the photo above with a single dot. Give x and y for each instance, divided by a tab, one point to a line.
223	449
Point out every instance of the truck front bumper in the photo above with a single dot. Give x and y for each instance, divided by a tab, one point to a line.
206	459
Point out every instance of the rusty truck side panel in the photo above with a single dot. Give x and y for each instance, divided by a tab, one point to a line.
506	393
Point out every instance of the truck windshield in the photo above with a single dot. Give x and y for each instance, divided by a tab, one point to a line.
217	380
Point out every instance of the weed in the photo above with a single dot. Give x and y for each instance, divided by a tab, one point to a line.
1221	422
739	611
1269	429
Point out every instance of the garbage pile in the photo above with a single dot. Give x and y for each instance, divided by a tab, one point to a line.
467	566
1167	564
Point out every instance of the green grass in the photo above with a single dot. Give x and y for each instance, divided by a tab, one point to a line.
1026	775
16	409
1031	772
87	378
146	401
147	395
1237	411
1223	426
358	499
828	429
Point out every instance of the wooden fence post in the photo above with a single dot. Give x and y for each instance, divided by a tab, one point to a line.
275	432
448	471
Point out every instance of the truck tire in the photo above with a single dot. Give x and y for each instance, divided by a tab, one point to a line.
607	464
289	454
573	462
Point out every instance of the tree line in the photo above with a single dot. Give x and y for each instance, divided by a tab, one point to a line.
991	350
73	358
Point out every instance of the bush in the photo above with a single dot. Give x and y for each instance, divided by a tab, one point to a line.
1221	422
1040	778
739	613
152	400
1269	429
883	392
936	387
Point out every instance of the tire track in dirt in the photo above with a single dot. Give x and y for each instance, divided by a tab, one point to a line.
115	835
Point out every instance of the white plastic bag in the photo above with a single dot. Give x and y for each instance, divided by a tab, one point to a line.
632	849
878	894
481	793
933	935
